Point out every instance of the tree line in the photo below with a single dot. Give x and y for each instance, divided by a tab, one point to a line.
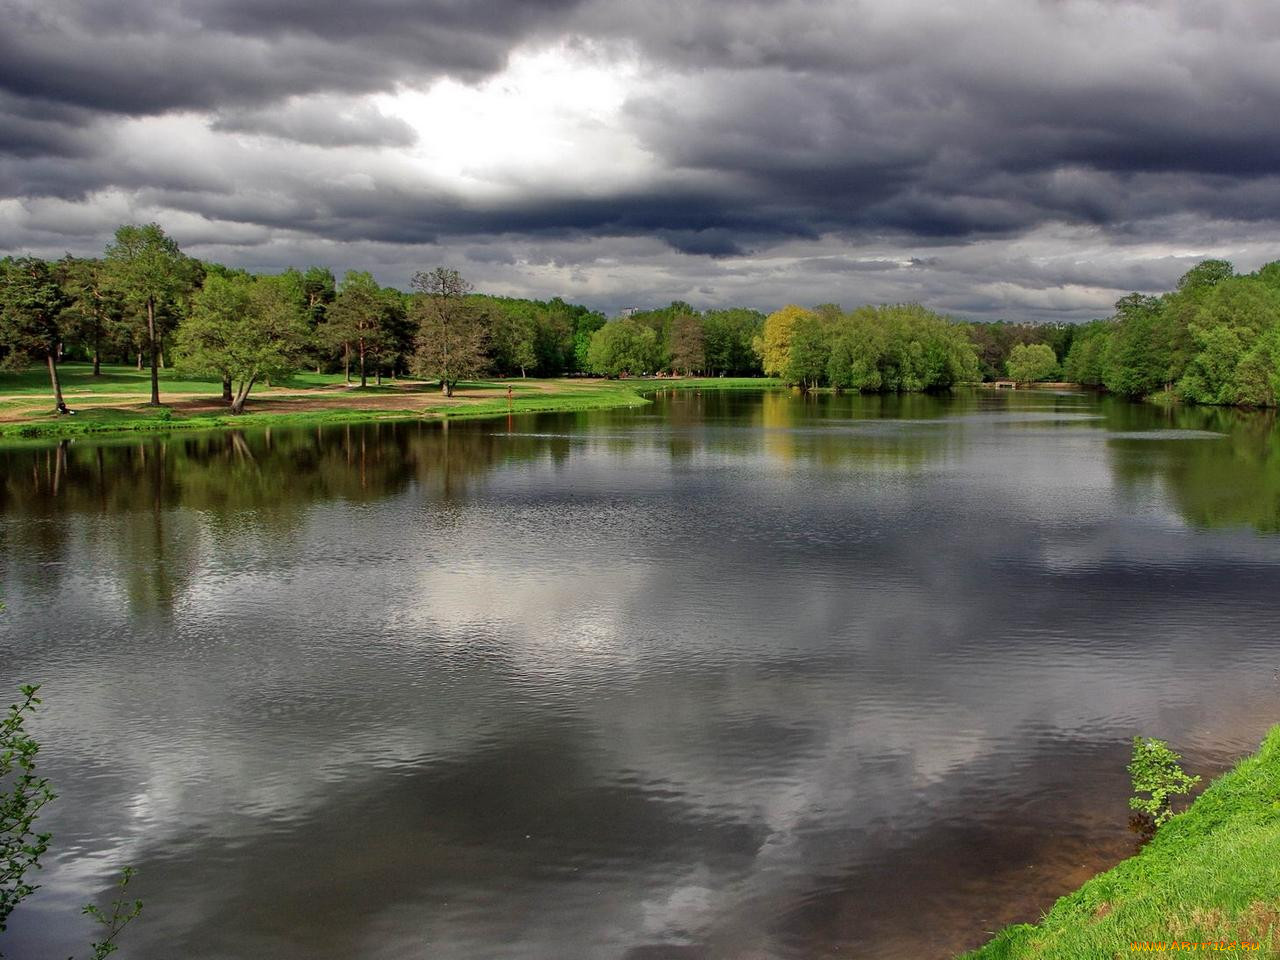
1215	339
145	301
897	348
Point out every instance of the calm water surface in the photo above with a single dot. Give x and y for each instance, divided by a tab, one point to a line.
736	675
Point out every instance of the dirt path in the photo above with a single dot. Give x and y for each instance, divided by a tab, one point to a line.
393	397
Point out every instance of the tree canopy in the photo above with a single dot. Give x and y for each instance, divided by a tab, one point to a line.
773	345
152	274
1215	339
1029	362
244	331
453	332
31	318
624	346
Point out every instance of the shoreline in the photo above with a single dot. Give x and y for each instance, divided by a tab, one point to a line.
481	400
1210	878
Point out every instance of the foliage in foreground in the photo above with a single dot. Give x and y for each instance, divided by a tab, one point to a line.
1211	874
23	793
1155	771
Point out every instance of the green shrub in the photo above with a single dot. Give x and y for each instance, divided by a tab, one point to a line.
1155	772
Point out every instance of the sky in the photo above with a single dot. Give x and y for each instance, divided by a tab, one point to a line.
991	159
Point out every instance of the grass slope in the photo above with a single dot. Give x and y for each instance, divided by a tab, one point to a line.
1211	874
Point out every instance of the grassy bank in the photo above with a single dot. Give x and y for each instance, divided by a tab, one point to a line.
1211	875
116	401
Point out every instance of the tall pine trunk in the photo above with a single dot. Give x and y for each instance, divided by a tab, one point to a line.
364	376
346	361
55	381
155	353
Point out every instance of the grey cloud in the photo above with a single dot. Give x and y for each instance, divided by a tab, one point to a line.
328	122
134	57
821	136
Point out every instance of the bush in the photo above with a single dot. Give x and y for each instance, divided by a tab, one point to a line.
1156	772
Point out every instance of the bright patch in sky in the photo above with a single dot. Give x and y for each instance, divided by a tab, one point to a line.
550	121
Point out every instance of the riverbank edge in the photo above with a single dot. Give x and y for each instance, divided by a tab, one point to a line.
1210	876
576	398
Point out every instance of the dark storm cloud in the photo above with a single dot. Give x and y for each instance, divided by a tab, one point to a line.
941	154
889	127
140	57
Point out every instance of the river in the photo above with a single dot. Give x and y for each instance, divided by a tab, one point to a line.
733	675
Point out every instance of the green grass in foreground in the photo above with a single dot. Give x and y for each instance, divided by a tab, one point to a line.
1211	874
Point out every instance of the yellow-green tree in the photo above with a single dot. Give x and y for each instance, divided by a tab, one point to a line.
774	343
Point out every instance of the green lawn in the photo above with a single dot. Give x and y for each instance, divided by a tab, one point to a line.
1211	874
115	401
78	378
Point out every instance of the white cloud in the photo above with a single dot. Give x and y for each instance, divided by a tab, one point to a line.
549	122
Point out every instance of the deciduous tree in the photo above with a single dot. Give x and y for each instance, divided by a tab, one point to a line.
356	321
808	351
774	343
1029	362
514	336
151	272
453	333
245	332
688	343
728	336
31	312
204	341
623	346
93	307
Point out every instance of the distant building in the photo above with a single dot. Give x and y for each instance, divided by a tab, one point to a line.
627	311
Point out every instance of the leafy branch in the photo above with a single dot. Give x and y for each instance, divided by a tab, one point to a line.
20	845
1155	771
123	912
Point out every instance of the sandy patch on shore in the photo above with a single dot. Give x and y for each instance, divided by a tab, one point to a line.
391	396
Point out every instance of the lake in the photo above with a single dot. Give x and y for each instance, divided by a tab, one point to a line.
734	675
